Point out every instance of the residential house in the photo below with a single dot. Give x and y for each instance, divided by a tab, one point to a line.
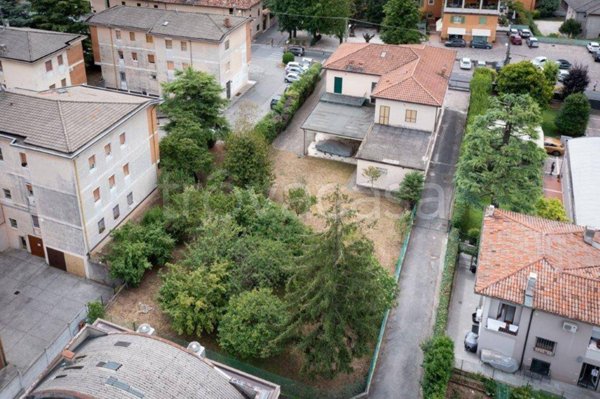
470	20
256	10
74	162
139	48
431	9
386	103
587	12
106	361
39	60
581	181
540	283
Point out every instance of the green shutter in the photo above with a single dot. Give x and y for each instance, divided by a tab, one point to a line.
337	85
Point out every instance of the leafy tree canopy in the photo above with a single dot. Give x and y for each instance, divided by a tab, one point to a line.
247	161
572	119
17	13
525	78
411	188
570	27
60	15
178	152
552	209
547	7
400	22
576	81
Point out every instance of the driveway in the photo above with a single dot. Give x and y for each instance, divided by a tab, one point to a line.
37	302
593	128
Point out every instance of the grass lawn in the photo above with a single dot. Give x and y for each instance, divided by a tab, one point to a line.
548	118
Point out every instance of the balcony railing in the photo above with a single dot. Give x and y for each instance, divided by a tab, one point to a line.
471	5
502	326
593	351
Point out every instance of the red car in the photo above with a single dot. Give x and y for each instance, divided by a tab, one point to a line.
516	39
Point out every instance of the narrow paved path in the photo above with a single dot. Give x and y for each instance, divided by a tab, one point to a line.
398	370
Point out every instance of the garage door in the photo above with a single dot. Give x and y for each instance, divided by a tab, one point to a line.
56	258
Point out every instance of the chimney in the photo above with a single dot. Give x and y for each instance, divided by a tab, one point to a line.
489	211
227	22
145	328
591	236
444	71
197	349
529	290
67	354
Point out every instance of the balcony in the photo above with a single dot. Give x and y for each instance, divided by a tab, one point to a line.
484	7
593	350
502	326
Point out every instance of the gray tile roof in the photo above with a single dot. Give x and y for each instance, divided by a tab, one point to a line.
585	179
587	6
190	25
64	120
146	367
396	146
341	116
25	44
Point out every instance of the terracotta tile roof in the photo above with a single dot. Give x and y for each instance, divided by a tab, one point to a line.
239	4
568	269
412	73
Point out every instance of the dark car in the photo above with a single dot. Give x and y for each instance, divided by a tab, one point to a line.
516	39
597	56
481	44
456	43
563	64
298	51
275	101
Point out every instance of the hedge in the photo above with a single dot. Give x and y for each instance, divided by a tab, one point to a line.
276	121
481	87
441	318
438	364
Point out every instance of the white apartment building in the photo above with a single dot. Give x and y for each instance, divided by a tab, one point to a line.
256	10
139	48
74	163
39	60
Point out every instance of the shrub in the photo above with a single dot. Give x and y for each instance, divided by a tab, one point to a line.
181	153
552	209
576	81
438	364
570	27
95	311
173	182
441	317
525	78
128	262
183	215
252	323
299	200
403	223
473	234
411	188
481	91
573	116
287	57
247	161
154	216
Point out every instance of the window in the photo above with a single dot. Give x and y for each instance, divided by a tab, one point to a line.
431	2
168	44
139	4
35	221
231	11
170	65
457	19
107	150
123	3
506	313
101	226
92	162
7	193
151	58
118	34
23	158
52	87
134	56
149	39
410	116
543	345
384	115
23	242
226	44
29	189
111	182
257	27
130	199
48	65
122	138
116	212
126	169
60	59
97	194
482	20
155	6
183	46
63	82
13	223
121	56
132	35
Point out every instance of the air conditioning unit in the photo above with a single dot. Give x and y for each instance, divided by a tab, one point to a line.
570	327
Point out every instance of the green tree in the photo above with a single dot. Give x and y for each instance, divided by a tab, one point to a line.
196	95
547	8
328	17
299	200
173	182
60	15
498	163
369	10
337	294
247	160
95	311
183	154
373	174
128	261
195	299
552	209
572	119
400	22
288	13
252	323
411	187
17	13
550	71
524	78
570	27
438	363
183	215
193	130
576	81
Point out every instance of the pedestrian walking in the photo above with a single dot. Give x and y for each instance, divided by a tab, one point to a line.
552	168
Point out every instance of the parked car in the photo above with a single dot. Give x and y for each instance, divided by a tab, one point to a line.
539	61
295	69
525	33
465	63
298	51
481	64
296	64
497	65
553	146
563	64
291	77
533	42
481	44
456	43
512	31
275	101
562	74
516	40
597	56
593	47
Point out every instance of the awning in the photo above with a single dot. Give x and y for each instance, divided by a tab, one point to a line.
457	31
481	32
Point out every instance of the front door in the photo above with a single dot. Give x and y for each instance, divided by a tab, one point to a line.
589	376
36	245
337	85
57	259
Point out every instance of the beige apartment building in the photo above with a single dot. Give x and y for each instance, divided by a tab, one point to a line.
139	48
74	162
38	60
256	10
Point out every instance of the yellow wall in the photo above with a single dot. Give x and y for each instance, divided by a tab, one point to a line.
471	22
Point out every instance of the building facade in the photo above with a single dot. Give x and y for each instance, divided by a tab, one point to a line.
139	56
256	10
74	163
587	12
541	303
470	20
40	60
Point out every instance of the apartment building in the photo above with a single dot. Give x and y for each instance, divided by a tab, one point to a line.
540	283
74	162
470	20
139	48
40	60
256	10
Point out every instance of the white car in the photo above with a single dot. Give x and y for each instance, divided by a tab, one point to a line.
291	77
465	63
593	47
295	69
562	74
481	63
539	61
295	64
